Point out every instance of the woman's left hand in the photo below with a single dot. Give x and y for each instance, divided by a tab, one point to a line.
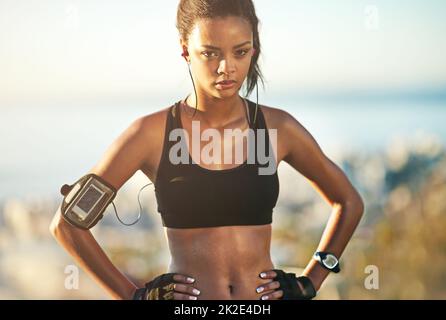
274	286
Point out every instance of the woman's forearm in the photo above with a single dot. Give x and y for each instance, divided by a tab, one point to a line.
85	250
340	227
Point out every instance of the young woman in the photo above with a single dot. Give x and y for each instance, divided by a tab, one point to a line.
218	214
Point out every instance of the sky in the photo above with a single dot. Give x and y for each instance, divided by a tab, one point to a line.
109	50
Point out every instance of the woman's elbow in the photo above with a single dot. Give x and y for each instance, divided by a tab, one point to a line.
57	224
358	205
54	225
354	205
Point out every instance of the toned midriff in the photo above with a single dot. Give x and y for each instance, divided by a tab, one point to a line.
225	261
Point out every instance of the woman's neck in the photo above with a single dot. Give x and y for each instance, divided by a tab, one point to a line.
216	112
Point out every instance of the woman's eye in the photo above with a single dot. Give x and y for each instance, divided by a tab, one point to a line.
242	52
212	54
209	54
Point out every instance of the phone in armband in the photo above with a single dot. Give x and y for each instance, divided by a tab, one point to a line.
86	200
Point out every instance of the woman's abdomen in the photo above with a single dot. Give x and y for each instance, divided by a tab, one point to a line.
225	262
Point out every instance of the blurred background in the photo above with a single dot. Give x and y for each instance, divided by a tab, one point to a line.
366	78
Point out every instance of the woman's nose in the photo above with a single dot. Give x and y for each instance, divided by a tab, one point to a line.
226	66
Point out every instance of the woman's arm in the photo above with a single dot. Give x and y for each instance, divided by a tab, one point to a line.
87	253
304	154
122	159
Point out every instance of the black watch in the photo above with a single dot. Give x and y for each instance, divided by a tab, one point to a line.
327	260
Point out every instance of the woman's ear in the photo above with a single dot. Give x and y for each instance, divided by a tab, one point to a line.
185	52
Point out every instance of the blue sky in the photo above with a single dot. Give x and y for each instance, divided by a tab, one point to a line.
58	49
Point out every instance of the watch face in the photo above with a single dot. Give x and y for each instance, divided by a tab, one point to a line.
330	261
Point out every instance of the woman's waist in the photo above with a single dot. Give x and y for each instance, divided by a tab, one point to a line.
225	281
228	259
226	266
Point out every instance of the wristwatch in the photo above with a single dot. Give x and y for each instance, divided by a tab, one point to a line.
327	260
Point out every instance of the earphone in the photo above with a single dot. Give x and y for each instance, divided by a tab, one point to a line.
185	54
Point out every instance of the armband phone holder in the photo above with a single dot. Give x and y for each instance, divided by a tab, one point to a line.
86	200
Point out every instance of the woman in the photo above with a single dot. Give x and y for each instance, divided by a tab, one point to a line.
218	215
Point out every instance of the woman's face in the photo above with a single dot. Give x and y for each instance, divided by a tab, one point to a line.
220	49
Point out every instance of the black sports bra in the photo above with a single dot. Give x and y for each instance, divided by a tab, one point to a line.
191	196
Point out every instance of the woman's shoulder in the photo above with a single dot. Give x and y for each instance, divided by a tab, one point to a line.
297	136
149	127
133	149
275	117
152	123
154	118
286	124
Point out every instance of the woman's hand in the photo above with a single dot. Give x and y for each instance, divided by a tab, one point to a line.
183	290
285	286
272	285
168	286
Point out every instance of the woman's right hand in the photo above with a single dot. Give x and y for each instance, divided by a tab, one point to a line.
183	288
168	286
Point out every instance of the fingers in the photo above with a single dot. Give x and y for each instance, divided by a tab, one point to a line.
270	274
182	291
186	289
268	287
183	279
274	285
275	295
181	296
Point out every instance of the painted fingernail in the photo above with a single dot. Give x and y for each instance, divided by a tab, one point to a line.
192	298
265	298
263	275
196	291
189	279
259	289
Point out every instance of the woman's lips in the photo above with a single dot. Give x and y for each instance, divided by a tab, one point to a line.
223	85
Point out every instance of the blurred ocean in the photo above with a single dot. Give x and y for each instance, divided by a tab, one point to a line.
394	154
47	146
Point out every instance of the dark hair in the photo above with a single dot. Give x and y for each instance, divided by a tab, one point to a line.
189	11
